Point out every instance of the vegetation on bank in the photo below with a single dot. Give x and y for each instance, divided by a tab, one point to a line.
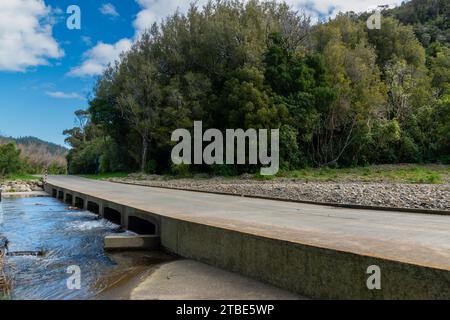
22	157
400	173
19	176
15	165
341	95
418	174
106	175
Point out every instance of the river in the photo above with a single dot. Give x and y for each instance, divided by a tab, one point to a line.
69	239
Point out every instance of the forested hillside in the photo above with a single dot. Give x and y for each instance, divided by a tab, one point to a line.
429	18
341	94
31	155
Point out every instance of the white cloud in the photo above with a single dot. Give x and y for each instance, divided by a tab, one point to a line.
108	9
98	58
329	8
155	10
64	95
26	35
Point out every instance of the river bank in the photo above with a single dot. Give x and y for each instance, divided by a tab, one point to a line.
18	185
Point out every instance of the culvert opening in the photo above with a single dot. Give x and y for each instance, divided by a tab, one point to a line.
54	193
93	207
79	203
69	198
141	226
61	195
112	215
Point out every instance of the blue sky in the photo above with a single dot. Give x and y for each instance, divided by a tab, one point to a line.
47	71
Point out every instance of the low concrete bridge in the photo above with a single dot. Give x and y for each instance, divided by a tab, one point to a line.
316	251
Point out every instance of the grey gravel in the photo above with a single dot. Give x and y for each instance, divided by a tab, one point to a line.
21	186
423	196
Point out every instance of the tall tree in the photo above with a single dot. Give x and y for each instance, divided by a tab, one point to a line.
140	99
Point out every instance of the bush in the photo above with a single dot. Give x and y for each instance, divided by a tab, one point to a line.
56	168
180	170
290	155
150	168
86	160
104	165
226	170
9	159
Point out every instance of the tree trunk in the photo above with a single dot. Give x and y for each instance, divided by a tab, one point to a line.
145	144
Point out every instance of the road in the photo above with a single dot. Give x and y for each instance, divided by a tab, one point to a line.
414	238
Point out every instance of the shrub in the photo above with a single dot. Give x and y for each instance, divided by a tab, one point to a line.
150	167
56	168
223	170
104	165
180	170
86	160
9	159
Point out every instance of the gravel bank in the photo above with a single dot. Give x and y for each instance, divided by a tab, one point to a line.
21	186
421	196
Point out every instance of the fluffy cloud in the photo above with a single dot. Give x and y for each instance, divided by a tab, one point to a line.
329	8
155	10
64	95
26	35
97	58
108	9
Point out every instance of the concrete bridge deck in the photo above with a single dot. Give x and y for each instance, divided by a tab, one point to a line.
317	251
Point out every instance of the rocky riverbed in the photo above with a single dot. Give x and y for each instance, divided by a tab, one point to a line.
21	186
399	195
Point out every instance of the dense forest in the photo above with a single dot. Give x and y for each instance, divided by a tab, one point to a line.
31	155
341	94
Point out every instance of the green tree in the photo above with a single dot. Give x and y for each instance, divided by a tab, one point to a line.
140	100
9	159
396	41
341	94
354	75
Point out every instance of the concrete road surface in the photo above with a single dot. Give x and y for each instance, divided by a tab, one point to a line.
419	239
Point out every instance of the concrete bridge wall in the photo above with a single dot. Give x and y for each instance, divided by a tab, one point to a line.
307	270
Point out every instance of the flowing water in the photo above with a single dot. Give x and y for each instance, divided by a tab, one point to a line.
66	238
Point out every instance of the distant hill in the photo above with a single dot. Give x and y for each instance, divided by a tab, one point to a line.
39	153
